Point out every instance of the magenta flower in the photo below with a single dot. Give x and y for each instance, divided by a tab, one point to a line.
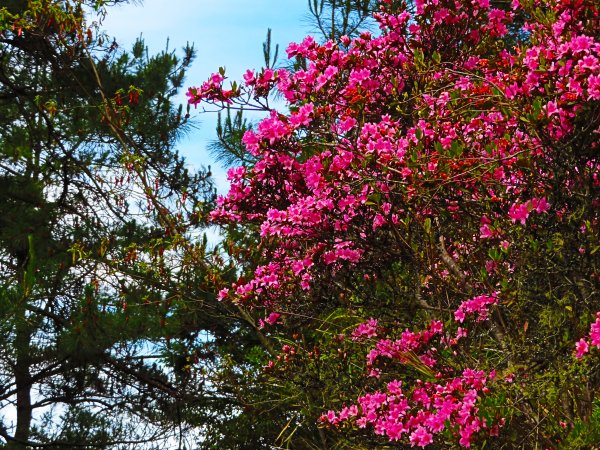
595	331
581	348
421	437
519	212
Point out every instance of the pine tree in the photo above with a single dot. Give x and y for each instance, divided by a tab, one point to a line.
105	293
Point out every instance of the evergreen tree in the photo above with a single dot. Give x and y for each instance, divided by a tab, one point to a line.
106	292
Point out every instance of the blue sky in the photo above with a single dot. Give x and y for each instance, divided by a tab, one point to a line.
226	33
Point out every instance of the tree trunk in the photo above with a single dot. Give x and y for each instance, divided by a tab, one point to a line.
22	368
23	385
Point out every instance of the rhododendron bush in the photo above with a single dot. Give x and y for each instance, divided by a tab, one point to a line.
437	181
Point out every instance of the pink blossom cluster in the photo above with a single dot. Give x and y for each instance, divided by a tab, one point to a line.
423	410
212	90
519	212
271	319
367	329
583	345
478	306
418	414
410	345
328	192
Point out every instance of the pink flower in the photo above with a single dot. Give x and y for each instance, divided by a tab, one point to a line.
540	205
421	437
551	109
395	387
394	430
595	331
272	318
358	76
303	116
594	87
223	294
367	329
378	221
581	348
249	77
216	78
347	124
440	15
485	231
477	305
504	245
519	212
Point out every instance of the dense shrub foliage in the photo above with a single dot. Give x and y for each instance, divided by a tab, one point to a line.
422	225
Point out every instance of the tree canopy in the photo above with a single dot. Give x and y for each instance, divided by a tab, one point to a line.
410	243
421	228
105	289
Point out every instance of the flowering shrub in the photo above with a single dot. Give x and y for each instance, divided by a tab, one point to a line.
447	165
582	346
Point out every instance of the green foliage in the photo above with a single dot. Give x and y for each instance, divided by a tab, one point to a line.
336	18
228	148
107	309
